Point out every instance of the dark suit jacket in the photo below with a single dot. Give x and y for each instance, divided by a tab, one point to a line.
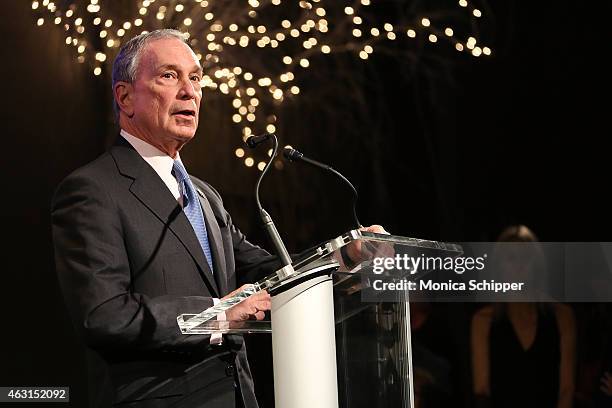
129	263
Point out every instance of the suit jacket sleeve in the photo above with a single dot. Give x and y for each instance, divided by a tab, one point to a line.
95	276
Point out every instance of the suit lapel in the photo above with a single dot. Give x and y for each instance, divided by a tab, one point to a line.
154	194
215	241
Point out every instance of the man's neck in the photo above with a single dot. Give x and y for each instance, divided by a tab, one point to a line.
171	150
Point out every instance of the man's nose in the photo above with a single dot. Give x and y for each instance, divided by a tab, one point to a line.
187	89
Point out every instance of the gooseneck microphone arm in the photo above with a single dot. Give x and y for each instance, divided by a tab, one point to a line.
277	241
294	155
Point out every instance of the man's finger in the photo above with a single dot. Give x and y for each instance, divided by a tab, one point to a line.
261	295
260	315
263	305
379	229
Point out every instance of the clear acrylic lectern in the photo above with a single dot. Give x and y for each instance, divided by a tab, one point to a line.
334	344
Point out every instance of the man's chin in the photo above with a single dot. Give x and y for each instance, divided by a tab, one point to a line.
184	133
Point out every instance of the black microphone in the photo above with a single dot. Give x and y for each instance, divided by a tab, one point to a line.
253	141
293	155
275	237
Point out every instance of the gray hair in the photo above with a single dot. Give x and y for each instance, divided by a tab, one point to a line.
125	66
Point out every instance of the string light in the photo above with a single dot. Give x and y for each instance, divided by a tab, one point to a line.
299	40
471	43
277	94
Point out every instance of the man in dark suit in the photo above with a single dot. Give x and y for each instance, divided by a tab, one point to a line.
139	242
131	257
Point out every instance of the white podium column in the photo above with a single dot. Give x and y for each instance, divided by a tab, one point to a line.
304	346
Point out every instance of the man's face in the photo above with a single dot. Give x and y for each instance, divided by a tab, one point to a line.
166	94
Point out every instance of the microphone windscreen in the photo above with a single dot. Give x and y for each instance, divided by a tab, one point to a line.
291	154
251	142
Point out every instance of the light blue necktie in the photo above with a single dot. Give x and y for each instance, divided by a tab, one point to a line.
192	208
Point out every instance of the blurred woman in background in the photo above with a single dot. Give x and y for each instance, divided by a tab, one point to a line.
523	352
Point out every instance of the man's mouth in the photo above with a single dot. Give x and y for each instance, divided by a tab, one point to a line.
186	112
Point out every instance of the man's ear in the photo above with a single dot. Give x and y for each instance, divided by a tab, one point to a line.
123	92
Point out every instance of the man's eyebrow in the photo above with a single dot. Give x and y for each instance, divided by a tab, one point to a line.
196	68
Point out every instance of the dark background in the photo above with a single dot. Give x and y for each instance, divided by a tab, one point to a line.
449	148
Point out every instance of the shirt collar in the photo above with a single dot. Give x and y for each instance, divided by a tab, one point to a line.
160	161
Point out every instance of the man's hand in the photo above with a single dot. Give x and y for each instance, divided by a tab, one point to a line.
253	307
355	251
